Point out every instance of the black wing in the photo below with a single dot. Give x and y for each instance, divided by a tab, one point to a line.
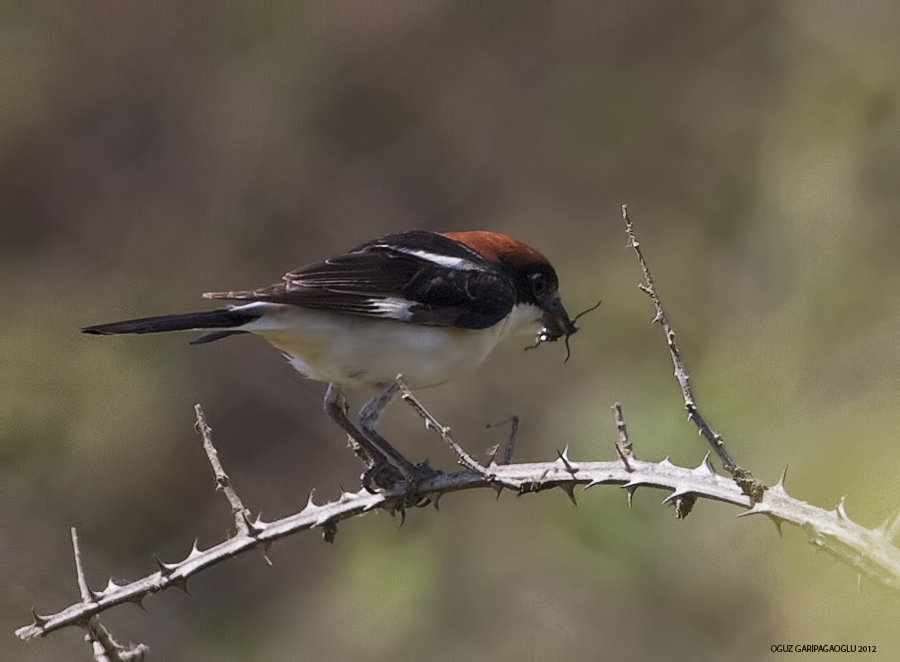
420	277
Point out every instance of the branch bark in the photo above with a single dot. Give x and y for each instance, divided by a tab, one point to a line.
870	551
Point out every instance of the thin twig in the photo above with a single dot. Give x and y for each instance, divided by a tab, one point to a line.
744	478
105	648
241	514
623	445
79	569
510	447
464	459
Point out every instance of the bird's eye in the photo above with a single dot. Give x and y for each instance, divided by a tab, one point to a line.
539	283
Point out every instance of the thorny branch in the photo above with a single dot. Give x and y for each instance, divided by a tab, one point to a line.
872	551
742	477
105	648
464	459
241	514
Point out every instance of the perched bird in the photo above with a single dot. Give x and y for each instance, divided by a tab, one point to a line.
426	305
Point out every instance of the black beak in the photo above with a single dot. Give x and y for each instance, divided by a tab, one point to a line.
556	321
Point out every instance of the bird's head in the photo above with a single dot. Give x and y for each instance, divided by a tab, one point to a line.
535	279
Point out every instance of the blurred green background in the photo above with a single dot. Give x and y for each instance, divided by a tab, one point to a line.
151	153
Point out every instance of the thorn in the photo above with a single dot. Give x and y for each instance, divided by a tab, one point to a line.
139	600
759	508
181	582
705	468
435	498
265	552
783	476
310	503
677	494
39	621
666	462
165	569
111	587
345	495
778	488
95	596
777	522
564	458
841	510
253	528
195	550
630	492
391	505
569	489
498	488
599	481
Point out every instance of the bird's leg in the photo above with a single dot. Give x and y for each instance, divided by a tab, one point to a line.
336	408
379	473
368	419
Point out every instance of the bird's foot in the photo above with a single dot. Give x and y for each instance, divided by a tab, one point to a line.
383	476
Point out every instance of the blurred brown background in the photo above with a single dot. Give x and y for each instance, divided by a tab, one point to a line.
148	154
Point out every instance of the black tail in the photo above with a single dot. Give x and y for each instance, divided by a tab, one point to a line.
225	318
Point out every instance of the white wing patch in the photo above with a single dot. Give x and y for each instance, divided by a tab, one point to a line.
395	308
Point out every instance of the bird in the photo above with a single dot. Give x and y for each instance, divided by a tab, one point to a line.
426	305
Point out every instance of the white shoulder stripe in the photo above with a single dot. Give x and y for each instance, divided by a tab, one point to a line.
436	258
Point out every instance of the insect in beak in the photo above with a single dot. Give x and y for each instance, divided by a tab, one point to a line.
563	328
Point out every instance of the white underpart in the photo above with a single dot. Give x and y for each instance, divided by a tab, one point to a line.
355	351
